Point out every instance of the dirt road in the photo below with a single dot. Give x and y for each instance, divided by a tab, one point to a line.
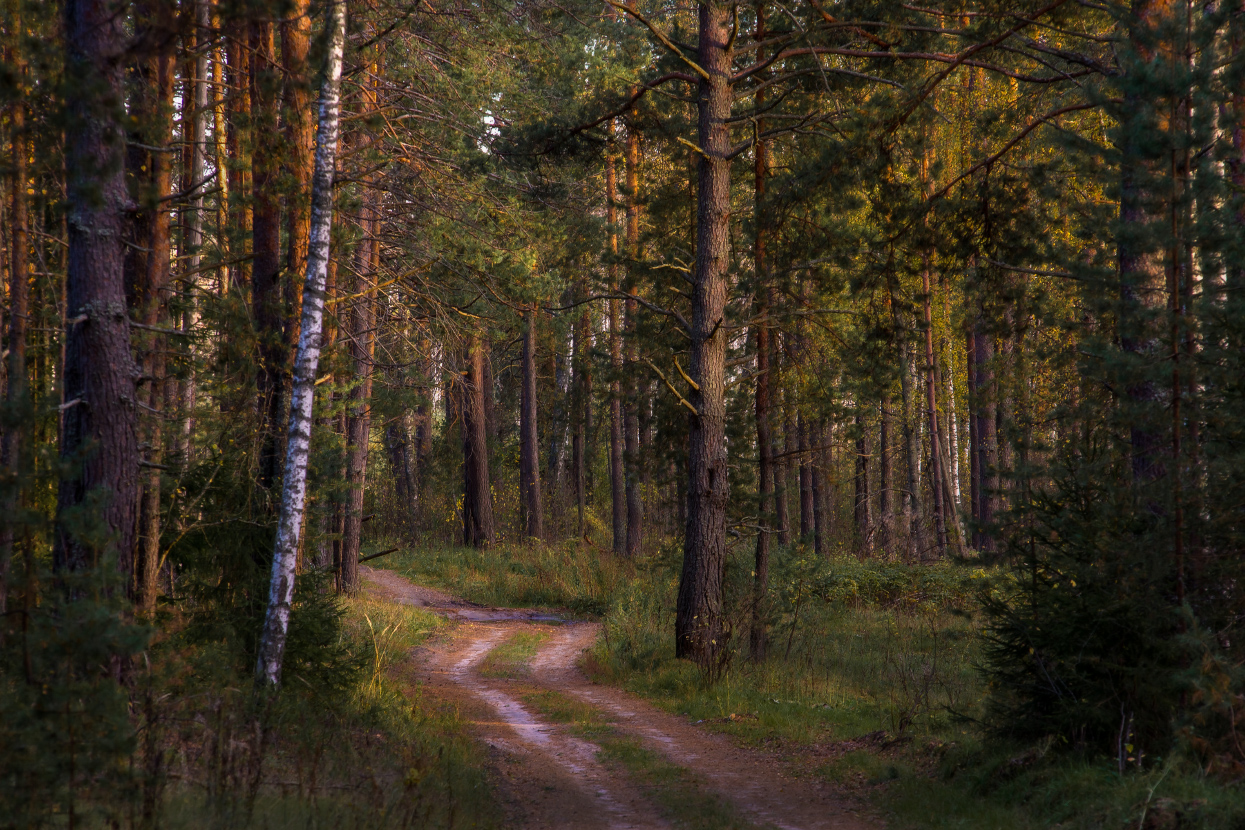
552	777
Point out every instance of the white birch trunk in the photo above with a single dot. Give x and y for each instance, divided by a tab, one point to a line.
306	361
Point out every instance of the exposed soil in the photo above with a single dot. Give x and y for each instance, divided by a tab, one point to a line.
551	778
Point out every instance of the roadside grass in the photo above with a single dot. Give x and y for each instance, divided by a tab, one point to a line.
380	755
871	680
554	576
510	659
683	800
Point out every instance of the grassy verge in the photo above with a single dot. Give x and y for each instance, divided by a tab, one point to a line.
870	681
377	755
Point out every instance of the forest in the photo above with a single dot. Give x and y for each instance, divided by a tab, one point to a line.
622	413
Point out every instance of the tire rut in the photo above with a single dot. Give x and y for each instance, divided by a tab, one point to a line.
552	778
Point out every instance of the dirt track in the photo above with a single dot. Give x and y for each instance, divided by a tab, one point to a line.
551	778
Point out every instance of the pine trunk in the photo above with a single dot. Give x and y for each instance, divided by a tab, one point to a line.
529	469
98	378
699	626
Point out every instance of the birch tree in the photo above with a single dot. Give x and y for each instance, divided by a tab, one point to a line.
307	358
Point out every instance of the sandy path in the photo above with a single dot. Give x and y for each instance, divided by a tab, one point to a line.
551	778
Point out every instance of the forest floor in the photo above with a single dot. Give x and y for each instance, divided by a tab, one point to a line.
568	753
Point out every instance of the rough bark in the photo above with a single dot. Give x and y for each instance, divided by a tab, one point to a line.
99	439
699	625
529	439
307	358
266	294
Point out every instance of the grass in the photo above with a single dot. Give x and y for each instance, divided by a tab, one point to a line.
510	659
537	576
871	680
381	756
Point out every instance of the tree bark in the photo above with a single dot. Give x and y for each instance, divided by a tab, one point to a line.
886	509
529	468
817	481
861	512
931	412
359	399
987	443
99	439
478	528
582	434
633	402
298	445
152	302
298	162
699	625
807	499
16	388
759	635
618	501
267	297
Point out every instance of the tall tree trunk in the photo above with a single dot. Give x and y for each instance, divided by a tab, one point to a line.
16	389
974	441
583	408
298	161
864	521
359	399
699	626
478	528
633	402
931	412
782	469
886	508
617	473
806	479
195	114
758	640
817	481
266	293
298	445
1144	208
239	149
99	438
529	468
987	444
153	306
